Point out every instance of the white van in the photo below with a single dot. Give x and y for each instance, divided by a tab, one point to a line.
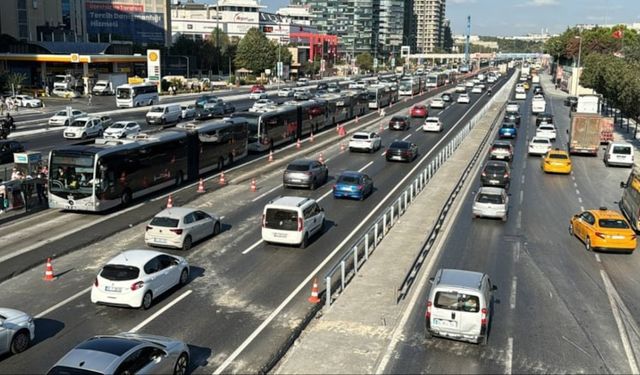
292	221
619	153
164	114
460	306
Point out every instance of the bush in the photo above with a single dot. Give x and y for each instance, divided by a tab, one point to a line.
164	85
232	79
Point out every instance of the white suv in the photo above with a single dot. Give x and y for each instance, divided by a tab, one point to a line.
365	141
292	221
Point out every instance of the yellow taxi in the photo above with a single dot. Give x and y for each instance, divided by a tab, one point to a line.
603	229
526	85
556	161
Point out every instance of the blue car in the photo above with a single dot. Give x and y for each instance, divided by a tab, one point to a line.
508	130
353	185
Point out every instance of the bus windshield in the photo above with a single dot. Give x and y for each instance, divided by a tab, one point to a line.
71	173
123	93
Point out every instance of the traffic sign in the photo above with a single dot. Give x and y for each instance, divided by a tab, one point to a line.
375	63
279	69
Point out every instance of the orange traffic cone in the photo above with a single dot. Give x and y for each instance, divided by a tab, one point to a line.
314	292
222	181
311	137
342	147
48	273
254	188
270	156
170	201
298	143
321	159
342	132
201	186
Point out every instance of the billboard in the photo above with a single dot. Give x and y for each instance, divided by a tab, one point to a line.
130	21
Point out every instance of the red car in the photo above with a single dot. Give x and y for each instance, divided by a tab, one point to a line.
419	110
258	88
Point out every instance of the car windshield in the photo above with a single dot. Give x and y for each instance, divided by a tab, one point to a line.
117	125
495	168
360	136
119	272
613	223
547	128
161	221
623	150
502	146
490	198
457	302
401	145
507	126
541	140
281	219
558	156
157	109
298	167
61	113
397	118
78	124
348	180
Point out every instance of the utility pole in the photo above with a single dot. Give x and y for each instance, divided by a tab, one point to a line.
467	42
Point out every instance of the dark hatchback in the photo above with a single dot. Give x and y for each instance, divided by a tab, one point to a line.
571	101
513	117
401	151
544	117
496	173
399	123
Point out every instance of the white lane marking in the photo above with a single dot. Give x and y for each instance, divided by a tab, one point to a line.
62	303
159	312
325	195
598	258
252	247
577	191
509	357
407	137
512	298
418	128
575	184
521	196
517	253
581	208
580	199
366	166
573	177
519	220
522	180
314	272
616	304
383	153
67	233
266	193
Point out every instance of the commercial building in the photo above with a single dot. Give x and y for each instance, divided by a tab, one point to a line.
21	18
424	25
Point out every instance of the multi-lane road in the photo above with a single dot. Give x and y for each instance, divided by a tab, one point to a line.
244	298
560	308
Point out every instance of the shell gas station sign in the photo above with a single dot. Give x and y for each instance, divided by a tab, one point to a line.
153	66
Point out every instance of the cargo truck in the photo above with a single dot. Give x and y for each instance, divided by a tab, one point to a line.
107	83
584	133
588	104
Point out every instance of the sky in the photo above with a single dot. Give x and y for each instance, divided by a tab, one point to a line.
520	17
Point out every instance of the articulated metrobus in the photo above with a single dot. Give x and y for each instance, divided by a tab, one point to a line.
409	86
379	96
436	80
129	96
110	173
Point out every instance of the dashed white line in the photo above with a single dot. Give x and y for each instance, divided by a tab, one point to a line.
519	220
252	247
522	180
512	298
581	208
266	193
509	356
418	129
159	312
407	137
62	303
521	196
366	166
580	200
383	153
598	258
575	184
577	191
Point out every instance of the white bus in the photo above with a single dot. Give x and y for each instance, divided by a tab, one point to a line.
130	96
409	86
379	96
436	80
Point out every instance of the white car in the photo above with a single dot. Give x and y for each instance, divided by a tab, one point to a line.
122	129
469	84
539	146
285	92
546	131
188	111
432	124
476	81
365	141
262	104
491	202
512	107
482	85
27	101
134	278
180	227
476	90
83	127
463	98
302	82
258	95
65	93
61	117
461	88
437	103
17	331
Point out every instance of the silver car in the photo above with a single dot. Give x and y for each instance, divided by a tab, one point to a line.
17	330
125	353
491	202
305	173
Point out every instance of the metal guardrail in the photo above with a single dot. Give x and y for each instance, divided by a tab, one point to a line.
347	267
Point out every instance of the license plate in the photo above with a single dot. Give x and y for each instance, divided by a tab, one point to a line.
112	289
280	235
617	237
396	158
159	240
445	323
619	156
69	207
499	156
494	181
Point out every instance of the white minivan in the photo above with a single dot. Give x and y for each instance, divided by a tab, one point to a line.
619	153
460	306
292	221
164	114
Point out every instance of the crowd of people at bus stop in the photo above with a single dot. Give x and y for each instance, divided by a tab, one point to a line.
23	189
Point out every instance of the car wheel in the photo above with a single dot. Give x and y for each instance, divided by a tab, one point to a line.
125	199
312	186
184	277
483	340
83	136
147	299
427	334
182	364
216	229
305	241
20	342
66	123
186	244
587	244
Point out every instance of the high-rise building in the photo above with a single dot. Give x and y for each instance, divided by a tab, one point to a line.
21	18
424	25
389	26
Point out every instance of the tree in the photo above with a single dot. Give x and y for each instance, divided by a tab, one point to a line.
447	43
14	81
365	61
255	52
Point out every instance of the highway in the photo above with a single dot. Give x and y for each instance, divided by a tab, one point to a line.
559	308
244	298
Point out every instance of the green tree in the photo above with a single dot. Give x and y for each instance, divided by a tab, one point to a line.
255	52
14	81
364	61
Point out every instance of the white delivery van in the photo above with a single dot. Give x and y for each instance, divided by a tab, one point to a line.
588	104
164	114
521	93
292	221
460	306
619	153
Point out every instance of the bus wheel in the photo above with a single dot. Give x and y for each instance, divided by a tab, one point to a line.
179	178
230	159
220	164
126	198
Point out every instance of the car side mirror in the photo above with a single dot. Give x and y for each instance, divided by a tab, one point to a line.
494	287
431	280
567	131
623	185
